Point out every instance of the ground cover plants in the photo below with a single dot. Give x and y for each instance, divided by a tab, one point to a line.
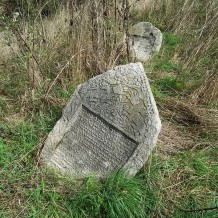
49	47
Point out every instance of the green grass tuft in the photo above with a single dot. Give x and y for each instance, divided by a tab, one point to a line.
167	66
117	196
171	41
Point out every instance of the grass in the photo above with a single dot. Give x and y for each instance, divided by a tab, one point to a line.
115	197
166	187
33	192
165	66
38	79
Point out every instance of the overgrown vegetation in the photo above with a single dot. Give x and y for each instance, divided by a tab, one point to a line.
49	47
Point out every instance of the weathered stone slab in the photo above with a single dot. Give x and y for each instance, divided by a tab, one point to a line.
144	39
110	123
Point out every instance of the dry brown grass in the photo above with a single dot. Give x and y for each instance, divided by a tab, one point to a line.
196	22
186	126
174	138
207	92
64	49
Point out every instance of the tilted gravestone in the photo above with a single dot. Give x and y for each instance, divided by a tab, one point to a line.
144	39
110	123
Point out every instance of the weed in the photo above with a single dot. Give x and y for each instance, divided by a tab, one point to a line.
171	41
169	86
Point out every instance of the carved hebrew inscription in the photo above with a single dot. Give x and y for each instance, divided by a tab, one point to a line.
93	145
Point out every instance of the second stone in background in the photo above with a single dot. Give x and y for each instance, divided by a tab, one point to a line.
144	39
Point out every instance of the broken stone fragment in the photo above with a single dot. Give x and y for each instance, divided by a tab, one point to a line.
144	39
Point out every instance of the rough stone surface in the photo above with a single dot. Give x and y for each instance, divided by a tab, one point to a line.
144	39
110	123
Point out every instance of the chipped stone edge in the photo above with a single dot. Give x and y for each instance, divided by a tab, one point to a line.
142	152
